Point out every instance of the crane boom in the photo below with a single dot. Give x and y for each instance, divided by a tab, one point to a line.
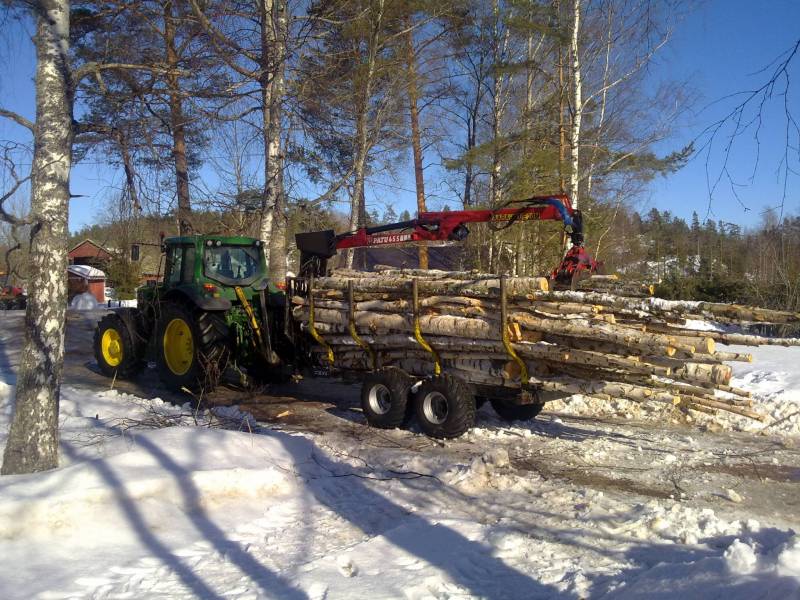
451	226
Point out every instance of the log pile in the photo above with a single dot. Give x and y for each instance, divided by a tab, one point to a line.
496	331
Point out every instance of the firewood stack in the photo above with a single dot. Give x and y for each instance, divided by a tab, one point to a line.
570	342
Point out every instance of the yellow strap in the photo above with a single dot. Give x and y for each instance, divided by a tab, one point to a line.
249	310
352	326
504	323
437	366
312	327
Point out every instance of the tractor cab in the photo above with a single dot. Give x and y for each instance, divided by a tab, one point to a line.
208	269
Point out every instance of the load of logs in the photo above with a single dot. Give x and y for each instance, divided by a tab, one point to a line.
496	331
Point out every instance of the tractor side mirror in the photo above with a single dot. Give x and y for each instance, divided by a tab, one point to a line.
134	252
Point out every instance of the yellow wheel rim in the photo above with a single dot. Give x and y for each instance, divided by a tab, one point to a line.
178	346
111	347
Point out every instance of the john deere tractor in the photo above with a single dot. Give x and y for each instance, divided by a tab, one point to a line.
214	309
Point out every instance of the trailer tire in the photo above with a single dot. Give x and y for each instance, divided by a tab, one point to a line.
508	411
384	397
445	406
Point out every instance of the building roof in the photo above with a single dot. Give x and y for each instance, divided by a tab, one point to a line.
88	248
86	271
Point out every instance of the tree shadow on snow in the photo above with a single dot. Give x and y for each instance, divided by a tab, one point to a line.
469	564
660	570
663	571
269	581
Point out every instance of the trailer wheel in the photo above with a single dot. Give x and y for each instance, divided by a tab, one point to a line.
508	411
384	397
445	406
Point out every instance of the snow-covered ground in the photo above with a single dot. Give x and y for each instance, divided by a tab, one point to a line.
153	500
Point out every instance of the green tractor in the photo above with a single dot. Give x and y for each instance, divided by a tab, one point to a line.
215	309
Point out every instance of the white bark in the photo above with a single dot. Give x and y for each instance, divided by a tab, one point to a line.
33	438
274	169
577	104
272	82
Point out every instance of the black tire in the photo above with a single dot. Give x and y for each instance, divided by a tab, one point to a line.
118	345
384	397
444	406
200	348
508	411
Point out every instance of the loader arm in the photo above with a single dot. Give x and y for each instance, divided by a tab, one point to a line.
451	226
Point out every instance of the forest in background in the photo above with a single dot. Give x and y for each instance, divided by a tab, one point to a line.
270	117
712	261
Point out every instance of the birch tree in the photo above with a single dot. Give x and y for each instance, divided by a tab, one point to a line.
257	56
33	438
350	92
576	105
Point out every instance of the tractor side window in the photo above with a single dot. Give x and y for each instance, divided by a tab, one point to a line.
174	264
187	270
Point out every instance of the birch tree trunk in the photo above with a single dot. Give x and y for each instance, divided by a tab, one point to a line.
33	439
178	125
416	144
266	79
562	134
577	105
274	31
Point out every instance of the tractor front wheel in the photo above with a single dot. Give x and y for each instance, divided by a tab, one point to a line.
118	346
191	348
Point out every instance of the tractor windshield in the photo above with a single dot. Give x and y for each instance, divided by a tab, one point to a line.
233	265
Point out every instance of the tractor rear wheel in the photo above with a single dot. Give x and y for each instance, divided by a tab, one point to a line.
384	397
445	406
119	345
191	348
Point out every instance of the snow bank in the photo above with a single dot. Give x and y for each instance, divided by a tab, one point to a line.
160	469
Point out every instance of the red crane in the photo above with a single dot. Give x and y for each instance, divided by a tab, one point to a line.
451	226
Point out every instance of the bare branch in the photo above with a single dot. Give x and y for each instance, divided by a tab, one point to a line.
94	68
18	182
17	118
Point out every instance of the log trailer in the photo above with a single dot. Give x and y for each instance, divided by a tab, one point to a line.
215	311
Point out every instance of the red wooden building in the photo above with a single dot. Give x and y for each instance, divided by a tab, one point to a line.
89	253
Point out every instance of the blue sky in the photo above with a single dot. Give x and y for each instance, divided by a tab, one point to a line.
718	49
